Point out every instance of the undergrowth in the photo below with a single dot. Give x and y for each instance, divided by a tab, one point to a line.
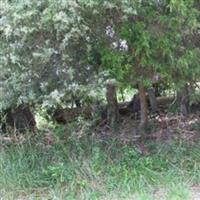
82	168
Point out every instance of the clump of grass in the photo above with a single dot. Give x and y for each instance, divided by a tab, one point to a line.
81	168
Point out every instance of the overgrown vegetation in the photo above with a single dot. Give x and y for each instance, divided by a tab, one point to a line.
99	99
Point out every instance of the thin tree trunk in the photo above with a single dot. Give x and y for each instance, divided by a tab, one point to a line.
153	100
112	110
143	107
183	100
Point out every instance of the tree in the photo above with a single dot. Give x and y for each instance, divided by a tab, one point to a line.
45	53
154	33
55	52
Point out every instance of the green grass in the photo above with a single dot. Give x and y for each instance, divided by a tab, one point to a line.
82	168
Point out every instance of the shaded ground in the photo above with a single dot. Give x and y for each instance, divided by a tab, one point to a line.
161	127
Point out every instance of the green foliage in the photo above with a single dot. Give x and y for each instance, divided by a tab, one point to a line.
59	173
44	52
52	51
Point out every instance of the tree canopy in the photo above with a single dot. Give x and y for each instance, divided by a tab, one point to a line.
54	51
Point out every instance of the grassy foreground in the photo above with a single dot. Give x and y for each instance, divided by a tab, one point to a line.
72	168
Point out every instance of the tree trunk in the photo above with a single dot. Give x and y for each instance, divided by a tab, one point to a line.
18	120
143	107
183	100
153	100
112	110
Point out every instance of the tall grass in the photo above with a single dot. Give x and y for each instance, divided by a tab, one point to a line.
85	169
